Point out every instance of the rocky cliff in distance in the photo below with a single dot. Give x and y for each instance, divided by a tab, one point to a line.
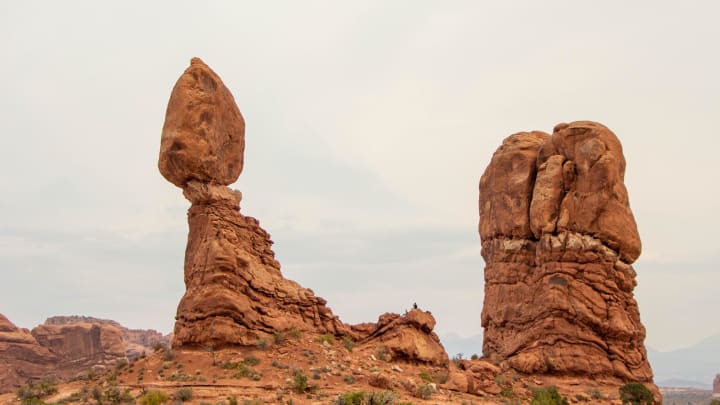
135	342
22	358
558	239
67	346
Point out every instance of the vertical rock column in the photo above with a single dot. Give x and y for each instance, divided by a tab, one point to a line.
235	292
558	239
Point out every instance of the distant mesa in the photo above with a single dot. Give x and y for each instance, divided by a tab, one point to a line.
68	346
558	238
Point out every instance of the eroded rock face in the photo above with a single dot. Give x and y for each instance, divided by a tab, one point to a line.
80	343
408	337
235	293
558	239
22	358
203	138
135	342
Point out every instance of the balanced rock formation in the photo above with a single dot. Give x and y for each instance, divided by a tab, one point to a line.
22	358
558	239
235	292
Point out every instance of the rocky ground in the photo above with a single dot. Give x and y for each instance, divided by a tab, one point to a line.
308	369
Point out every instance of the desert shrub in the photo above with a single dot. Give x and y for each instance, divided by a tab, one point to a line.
113	396
441	376
154	397
278	337
635	393
548	396
351	398
382	353
595	394
382	398
456	359
251	360
300	382
232	401
184	394
507	392
424	391
242	370
425	376
715	402
326	338
263	344
581	398
33	393
349	379
252	402
349	343
294	333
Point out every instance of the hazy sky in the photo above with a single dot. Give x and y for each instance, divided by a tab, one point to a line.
369	124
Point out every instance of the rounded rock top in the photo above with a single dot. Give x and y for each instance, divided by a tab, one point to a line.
203	138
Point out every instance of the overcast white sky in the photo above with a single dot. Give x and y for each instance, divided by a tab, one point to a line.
368	126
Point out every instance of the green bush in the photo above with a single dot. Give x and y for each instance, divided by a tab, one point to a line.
251	360
300	382
349	343
635	393
32	394
715	402
351	398
154	397
424	391
548	396
184	394
382	398
328	337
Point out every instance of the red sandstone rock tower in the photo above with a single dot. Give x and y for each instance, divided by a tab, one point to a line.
558	239
235	291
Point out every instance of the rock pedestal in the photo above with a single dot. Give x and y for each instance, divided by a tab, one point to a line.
558	239
236	294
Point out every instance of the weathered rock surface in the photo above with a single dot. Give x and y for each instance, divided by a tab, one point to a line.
408	337
135	342
81	345
474	377
22	358
65	346
203	138
558	239
235	293
716	385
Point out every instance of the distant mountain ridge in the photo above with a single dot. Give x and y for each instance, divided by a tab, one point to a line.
696	365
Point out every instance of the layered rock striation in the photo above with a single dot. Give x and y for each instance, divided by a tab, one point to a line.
22	358
68	346
558	239
235	292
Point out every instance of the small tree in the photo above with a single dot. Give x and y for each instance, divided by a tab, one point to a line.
635	393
